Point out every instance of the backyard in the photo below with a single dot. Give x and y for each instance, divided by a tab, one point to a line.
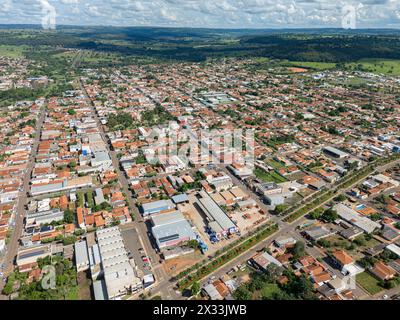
369	283
268	176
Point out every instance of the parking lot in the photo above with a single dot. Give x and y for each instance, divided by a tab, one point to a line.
135	249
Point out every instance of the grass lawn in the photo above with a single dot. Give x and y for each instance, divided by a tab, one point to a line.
269	289
268	176
274	164
73	294
369	283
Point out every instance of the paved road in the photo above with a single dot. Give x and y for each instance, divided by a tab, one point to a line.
285	229
139	225
12	248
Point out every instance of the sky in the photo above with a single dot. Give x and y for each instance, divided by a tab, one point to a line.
205	13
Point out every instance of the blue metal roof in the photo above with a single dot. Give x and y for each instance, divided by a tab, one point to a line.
179	198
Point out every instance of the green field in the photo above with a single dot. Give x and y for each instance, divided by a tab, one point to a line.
268	176
378	66
12	51
320	66
382	66
369	283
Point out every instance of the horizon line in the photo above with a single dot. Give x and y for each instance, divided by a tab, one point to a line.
202	28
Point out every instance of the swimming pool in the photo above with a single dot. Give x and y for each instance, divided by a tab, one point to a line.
360	206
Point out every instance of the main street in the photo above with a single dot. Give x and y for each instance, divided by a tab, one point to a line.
12	247
139	224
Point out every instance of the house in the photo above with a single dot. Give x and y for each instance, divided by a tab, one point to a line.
394	248
263	260
342	259
382	271
80	218
31	255
211	292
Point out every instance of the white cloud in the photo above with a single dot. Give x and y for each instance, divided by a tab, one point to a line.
206	13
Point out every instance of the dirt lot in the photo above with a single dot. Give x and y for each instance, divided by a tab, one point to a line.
176	265
84	284
297	70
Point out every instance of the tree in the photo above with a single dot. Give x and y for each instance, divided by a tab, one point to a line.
330	215
72	164
340	198
195	289
257	282
298	250
242	293
71	112
280	208
69	240
193	244
314	214
299	287
69	216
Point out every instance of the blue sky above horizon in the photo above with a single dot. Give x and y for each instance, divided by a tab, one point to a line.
204	13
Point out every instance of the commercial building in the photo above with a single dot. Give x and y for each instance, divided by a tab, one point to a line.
101	160
43	217
156	207
171	229
99	196
331	151
28	256
218	221
223	182
180	198
60	185
354	218
118	270
81	256
318	233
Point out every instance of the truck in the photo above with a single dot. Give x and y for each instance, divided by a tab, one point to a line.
203	247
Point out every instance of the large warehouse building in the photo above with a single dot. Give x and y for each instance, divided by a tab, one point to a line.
171	229
118	270
219	222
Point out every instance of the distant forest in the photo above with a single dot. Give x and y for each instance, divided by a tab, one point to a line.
180	44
